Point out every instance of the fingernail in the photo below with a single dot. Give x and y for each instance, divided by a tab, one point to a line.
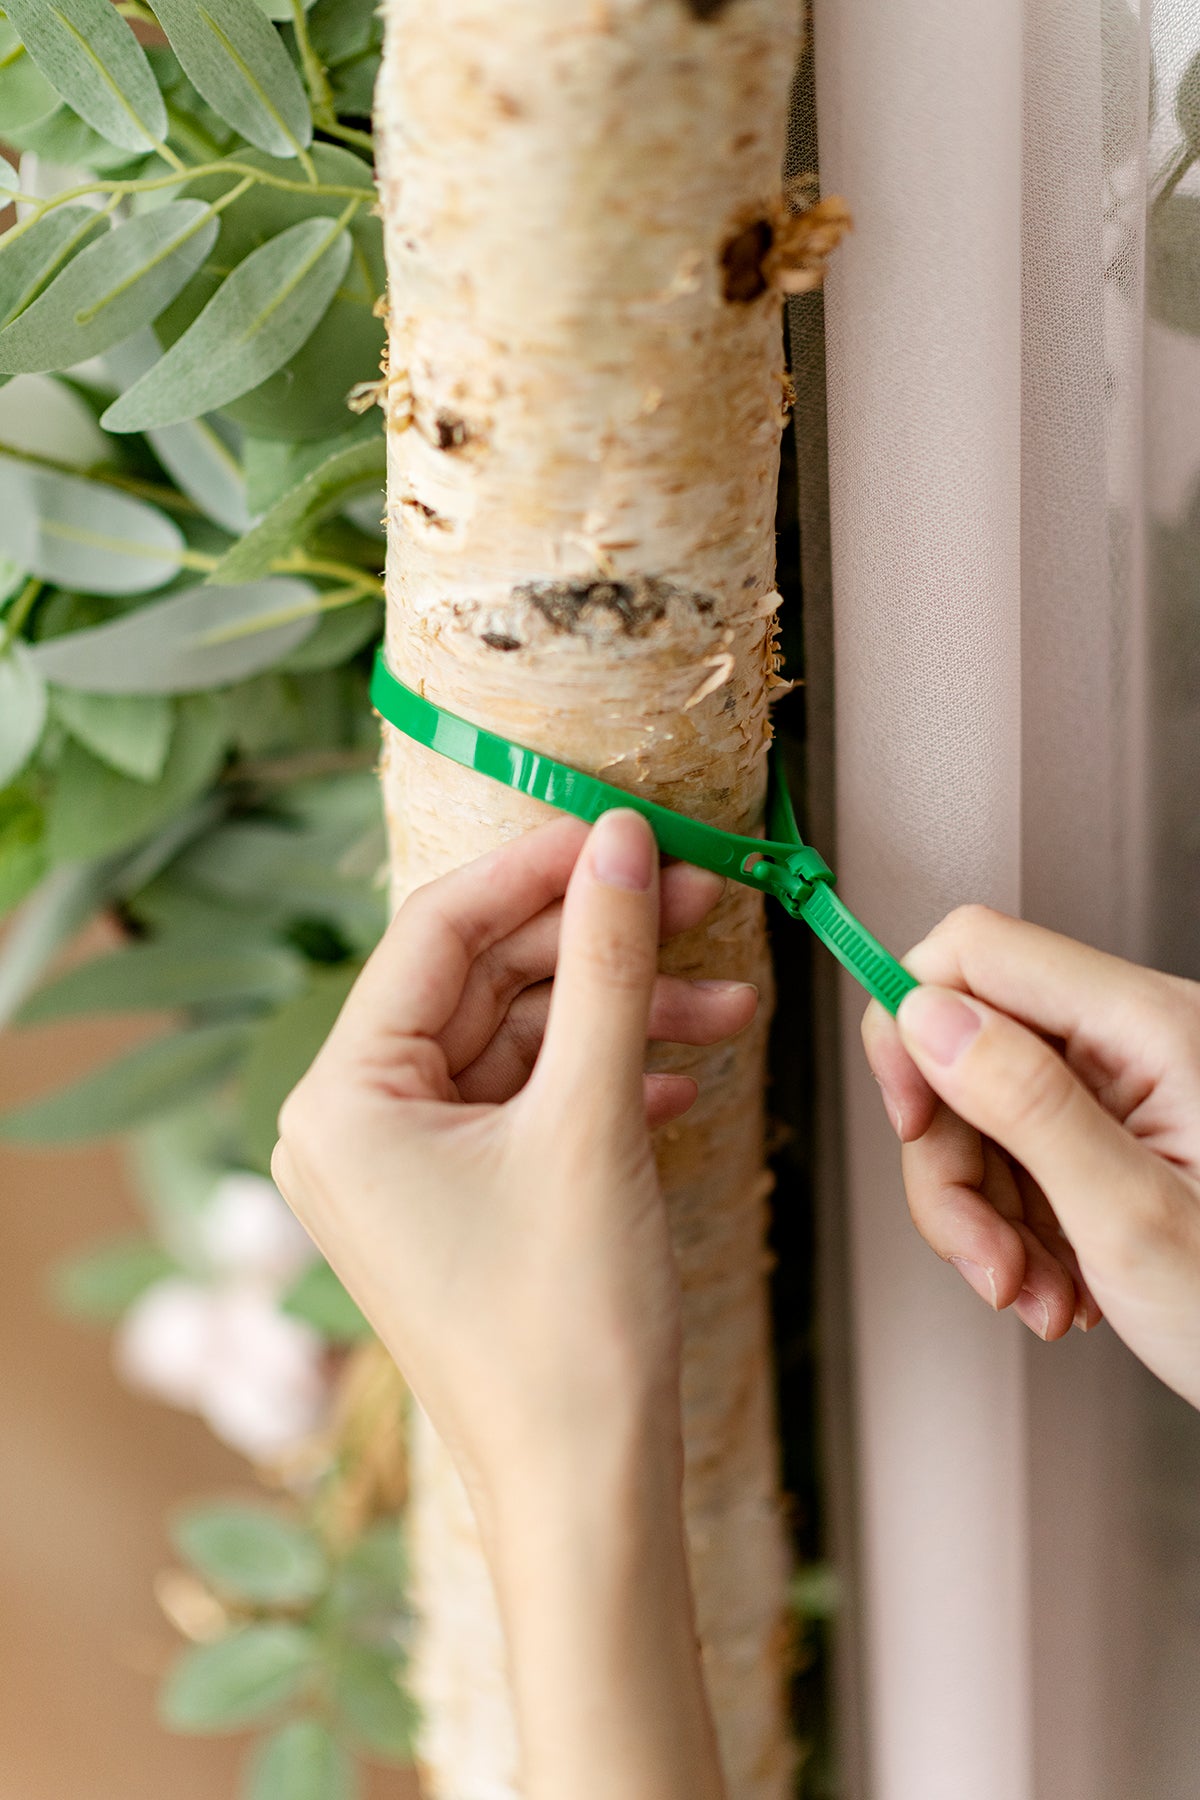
976	1276
939	1023
1032	1310
623	850
726	987
895	1116
1081	1316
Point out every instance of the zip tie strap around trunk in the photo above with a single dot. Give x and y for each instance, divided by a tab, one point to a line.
781	864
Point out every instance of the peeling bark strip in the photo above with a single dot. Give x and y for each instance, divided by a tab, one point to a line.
590	570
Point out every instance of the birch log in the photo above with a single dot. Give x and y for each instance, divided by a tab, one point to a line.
585	407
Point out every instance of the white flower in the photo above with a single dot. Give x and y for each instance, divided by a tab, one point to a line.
256	1376
248	1229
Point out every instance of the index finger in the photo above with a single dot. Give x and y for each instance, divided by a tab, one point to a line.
415	977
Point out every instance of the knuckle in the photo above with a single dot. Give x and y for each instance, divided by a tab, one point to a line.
613	961
967	923
1154	1227
1034	1093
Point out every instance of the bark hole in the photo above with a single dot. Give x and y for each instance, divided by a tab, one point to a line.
636	606
742	260
452	432
500	640
706	9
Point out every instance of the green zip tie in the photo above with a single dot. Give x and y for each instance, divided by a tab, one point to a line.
781	864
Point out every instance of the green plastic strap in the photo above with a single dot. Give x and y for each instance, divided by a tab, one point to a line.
781	864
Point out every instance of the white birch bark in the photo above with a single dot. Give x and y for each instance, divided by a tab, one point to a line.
584	415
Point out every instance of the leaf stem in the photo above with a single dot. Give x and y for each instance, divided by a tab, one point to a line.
315	80
157	492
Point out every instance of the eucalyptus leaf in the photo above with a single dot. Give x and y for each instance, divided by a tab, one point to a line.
155	977
29	261
63	901
322	492
84	534
90	55
303	1761
99	1285
319	1298
110	289
281	10
94	811
252	1554
236	60
25	94
237	1680
165	1073
202	454
258	318
283	1047
339	636
306	398
200	638
378	1713
9	183
22	709
130	732
22	851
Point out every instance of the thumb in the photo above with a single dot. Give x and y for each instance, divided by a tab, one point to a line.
1008	1083
594	1049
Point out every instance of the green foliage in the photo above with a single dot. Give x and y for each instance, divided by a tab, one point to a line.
112	288
319	1298
155	1078
257	319
187	602
252	1554
84	534
239	1679
89	55
99	1285
303	1761
236	61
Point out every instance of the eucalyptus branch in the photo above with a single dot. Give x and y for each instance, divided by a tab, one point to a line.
315	79
361	140
197	171
155	491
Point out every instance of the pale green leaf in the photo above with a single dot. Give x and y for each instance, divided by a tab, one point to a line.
22	710
29	261
258	318
379	1714
251	1554
236	60
202	454
319	1298
8	177
339	635
58	907
130	732
86	49
158	1076
200	638
155	977
281	10
83	534
94	811
274	466
241	1678
111	289
322	492
25	94
283	1047
303	1761
99	1285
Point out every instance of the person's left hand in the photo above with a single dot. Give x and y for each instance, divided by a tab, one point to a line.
490	1200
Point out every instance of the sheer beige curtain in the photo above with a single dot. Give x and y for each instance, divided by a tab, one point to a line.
1009	617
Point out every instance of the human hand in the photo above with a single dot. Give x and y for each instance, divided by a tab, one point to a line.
1051	1130
496	1212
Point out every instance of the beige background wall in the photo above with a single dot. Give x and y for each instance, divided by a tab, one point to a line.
87	1472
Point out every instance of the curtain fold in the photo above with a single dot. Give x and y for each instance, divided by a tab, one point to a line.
1012	341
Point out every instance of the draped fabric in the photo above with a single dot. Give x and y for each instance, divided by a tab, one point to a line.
1004	607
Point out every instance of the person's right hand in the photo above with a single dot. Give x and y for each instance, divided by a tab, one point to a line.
1048	1100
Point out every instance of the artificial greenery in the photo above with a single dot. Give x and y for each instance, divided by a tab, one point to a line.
190	575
